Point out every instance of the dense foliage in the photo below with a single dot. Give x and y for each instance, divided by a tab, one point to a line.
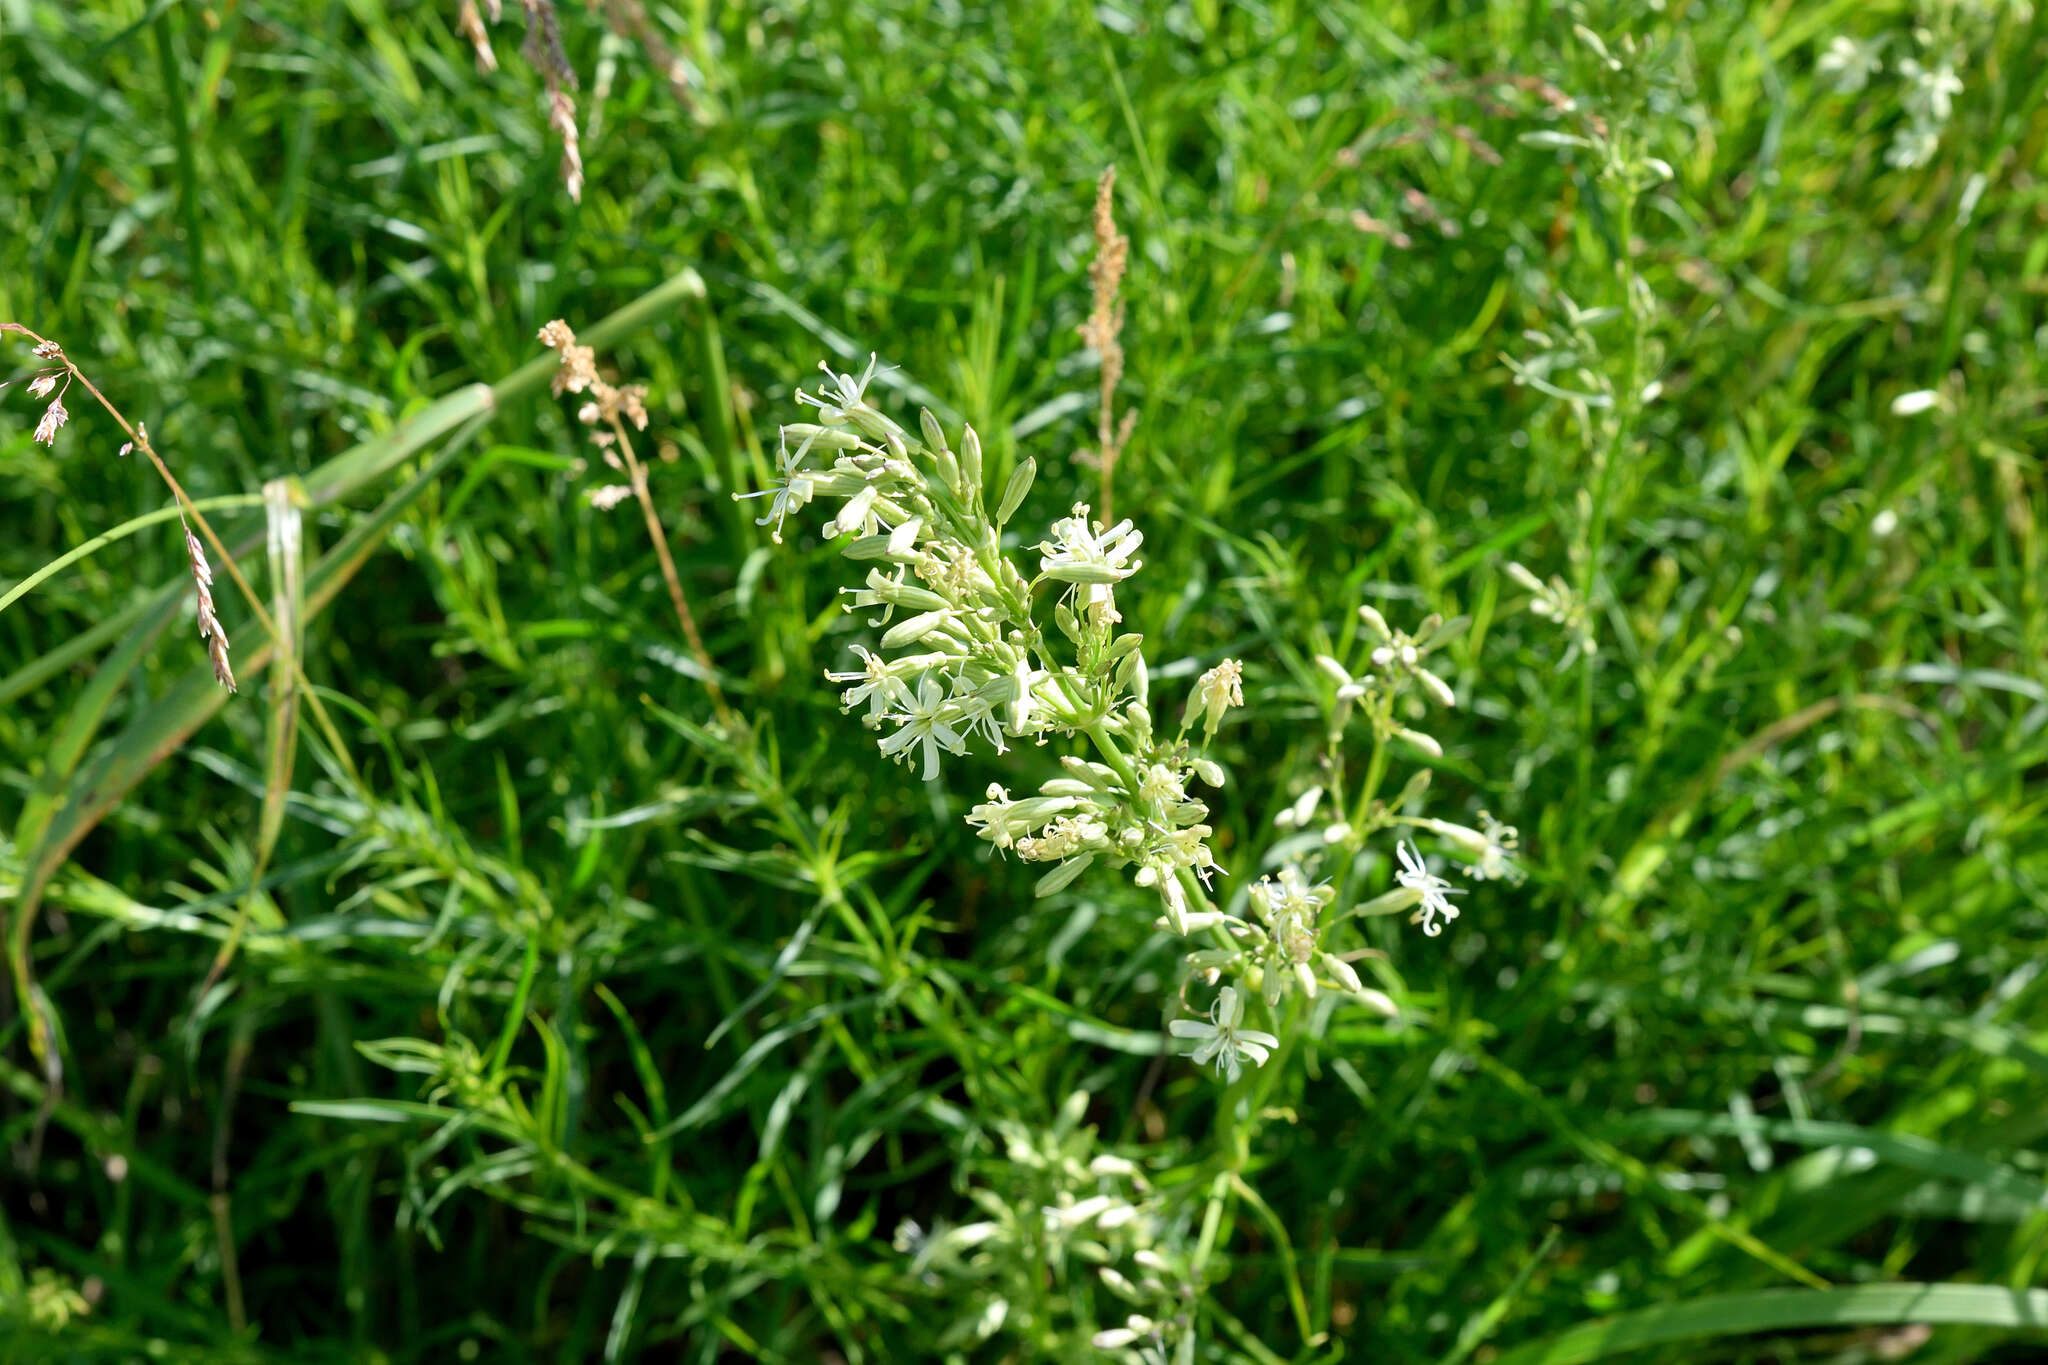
468	987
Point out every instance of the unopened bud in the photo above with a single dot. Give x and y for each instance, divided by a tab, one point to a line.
1013	493
970	461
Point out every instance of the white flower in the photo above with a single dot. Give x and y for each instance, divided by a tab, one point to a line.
878	686
1434	890
978	709
791	491
1847	64
1161	785
1221	1040
1065	836
842	401
1003	822
1931	91
1079	554
1497	860
926	721
40	386
1491	847
1914	403
1913	145
1290	906
609	496
1216	691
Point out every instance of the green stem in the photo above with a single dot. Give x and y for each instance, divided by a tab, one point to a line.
125	529
1106	744
1627	402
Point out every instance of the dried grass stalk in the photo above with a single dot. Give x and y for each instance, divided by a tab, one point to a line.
609	411
1101	332
470	24
59	375
210	629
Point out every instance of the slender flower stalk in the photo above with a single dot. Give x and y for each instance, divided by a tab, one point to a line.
59	374
609	410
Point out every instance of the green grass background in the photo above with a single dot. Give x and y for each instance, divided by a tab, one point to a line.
1769	1010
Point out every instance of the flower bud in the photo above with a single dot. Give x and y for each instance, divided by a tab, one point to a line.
898	593
1131	676
1120	646
1060	877
970	462
934	434
1436	687
949	473
856	511
1069	624
867	547
1393	903
1342	973
1013	493
1379	1002
1464	838
1420	741
1118	1285
915	628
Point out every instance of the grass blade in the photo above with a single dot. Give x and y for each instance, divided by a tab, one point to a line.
1974	1305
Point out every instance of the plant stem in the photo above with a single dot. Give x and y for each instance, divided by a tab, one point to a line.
636	474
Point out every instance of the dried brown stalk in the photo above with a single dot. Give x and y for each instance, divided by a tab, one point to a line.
60	375
544	52
1101	332
629	19
608	411
470	24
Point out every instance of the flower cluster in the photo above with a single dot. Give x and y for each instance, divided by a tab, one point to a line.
1927	93
1055	1204
967	659
963	659
1555	602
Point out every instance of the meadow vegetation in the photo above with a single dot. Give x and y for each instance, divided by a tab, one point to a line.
532	962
